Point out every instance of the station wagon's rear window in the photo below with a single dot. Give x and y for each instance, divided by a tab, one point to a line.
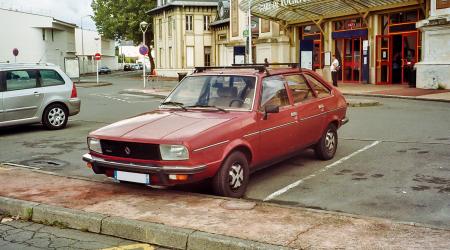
50	78
20	79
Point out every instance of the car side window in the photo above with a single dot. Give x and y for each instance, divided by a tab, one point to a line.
299	88
320	89
50	78
274	92
20	79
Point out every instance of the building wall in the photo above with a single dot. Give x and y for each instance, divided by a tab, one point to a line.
27	36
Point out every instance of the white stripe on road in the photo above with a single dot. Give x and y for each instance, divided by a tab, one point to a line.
295	184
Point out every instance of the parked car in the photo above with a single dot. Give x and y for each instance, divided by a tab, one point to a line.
136	66
36	93
104	70
222	123
128	67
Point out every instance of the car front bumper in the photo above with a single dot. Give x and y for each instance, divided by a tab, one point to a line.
99	166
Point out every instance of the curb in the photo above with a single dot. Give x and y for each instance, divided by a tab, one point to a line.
92	84
397	97
147	232
362	103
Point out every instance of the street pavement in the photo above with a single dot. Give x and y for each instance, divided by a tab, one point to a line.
392	160
24	235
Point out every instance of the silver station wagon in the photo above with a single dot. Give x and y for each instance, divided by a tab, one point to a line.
36	93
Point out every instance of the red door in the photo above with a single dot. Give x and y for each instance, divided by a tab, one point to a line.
409	54
383	65
278	133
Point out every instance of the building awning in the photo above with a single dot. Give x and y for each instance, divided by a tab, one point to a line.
300	11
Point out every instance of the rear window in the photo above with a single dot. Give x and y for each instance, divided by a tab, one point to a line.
318	87
50	78
20	79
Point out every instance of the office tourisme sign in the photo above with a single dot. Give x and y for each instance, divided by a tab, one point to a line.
279	4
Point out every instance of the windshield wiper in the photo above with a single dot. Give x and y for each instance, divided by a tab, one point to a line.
177	104
207	106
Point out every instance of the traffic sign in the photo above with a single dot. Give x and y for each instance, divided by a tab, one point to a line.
15	52
143	50
98	56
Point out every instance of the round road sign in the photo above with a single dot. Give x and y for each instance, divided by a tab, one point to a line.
15	52
143	50
98	56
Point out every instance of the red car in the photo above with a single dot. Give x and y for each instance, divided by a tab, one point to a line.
222	123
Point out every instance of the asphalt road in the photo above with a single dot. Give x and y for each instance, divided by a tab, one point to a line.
392	160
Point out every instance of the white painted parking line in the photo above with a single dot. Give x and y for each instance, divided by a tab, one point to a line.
295	184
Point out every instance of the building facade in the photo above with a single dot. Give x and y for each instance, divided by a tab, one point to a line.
182	35
38	38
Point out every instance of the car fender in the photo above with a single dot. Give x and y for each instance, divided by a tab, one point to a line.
235	144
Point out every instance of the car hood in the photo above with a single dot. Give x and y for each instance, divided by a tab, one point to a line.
163	125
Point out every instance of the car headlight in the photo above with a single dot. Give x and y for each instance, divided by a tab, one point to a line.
94	145
173	152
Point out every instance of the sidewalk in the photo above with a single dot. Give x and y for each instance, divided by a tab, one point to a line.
192	221
369	90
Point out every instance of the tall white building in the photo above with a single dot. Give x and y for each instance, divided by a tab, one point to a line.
38	38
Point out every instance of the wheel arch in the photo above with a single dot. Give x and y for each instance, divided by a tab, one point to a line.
239	145
51	103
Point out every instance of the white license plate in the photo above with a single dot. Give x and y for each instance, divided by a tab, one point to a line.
132	177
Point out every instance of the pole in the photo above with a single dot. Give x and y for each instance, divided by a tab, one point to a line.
82	43
143	62
97	72
250	49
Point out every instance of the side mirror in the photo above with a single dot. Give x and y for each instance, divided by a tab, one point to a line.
270	109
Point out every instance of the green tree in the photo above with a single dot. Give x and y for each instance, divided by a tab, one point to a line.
120	19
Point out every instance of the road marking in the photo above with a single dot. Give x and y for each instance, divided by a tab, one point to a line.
122	100
295	184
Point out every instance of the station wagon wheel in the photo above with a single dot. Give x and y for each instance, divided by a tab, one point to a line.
326	148
55	116
232	178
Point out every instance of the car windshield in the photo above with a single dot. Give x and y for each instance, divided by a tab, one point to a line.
219	92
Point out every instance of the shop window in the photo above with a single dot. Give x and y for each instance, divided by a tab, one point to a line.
442	4
349	24
404	17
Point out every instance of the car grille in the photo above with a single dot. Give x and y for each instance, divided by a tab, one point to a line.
142	151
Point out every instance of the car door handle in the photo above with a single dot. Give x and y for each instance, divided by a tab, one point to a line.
321	107
37	93
294	114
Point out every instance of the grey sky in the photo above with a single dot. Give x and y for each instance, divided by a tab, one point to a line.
66	10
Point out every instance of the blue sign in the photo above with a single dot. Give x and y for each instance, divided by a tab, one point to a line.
143	50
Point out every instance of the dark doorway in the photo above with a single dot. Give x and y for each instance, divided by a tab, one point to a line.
397	45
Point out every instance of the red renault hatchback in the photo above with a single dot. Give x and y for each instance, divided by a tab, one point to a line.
222	123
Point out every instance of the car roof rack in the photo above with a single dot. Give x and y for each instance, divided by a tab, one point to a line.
292	65
260	68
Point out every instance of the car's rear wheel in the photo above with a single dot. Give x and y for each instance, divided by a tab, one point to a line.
326	148
55	116
232	178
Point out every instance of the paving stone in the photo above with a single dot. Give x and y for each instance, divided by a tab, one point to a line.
21	236
39	242
62	242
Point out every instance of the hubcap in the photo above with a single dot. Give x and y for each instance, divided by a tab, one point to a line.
56	117
236	175
330	141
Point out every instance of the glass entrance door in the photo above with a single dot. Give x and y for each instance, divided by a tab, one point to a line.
383	66
351	65
409	55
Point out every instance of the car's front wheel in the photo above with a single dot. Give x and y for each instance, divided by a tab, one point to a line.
232	178
326	148
55	117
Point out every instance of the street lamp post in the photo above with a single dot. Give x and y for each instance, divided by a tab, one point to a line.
250	50
143	27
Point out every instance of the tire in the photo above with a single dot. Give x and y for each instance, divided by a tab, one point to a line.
232	178
55	116
326	148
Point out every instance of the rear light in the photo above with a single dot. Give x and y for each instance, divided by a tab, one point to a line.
74	91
